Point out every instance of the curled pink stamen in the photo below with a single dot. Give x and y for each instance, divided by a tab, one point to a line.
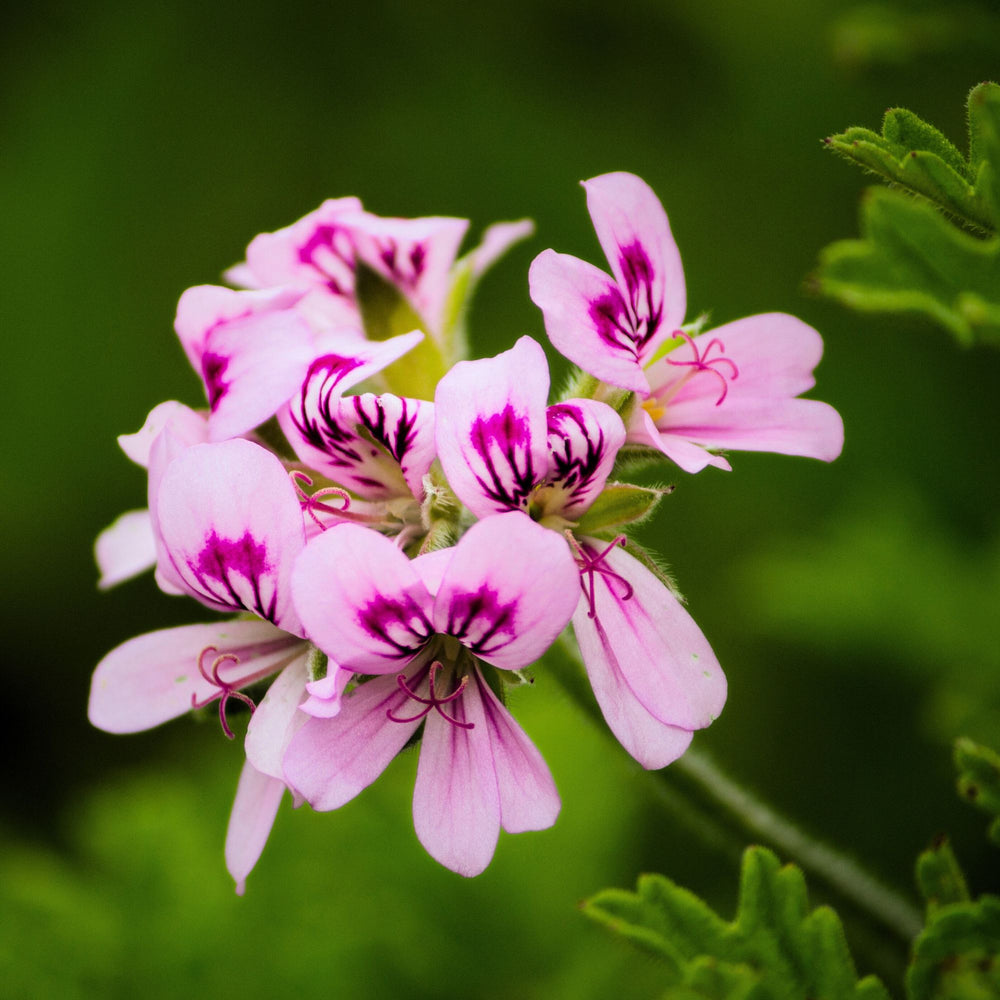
312	502
703	363
226	690
433	701
592	563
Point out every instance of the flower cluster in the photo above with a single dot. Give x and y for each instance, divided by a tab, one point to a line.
396	534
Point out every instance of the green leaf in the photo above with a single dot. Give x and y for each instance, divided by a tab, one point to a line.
618	504
774	948
979	780
910	259
914	155
939	876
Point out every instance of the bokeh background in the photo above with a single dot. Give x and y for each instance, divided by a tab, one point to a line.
853	605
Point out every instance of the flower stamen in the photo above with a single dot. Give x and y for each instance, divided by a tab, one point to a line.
313	502
226	690
702	363
433	701
591	563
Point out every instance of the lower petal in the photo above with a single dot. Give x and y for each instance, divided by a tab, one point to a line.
254	809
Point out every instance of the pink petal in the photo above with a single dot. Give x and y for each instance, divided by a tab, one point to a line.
277	718
232	526
186	424
690	457
154	677
509	590
584	438
496	241
125	548
586	319
456	803
326	695
528	796
491	431
661	653
635	235
774	355
361	600
254	809
329	761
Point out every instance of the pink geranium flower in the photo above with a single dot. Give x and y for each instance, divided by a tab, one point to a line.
735	387
434	631
231	526
653	672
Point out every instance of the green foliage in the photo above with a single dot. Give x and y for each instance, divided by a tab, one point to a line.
618	504
776	946
979	780
910	258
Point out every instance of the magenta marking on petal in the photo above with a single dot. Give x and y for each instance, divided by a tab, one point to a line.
226	690
220	558
508	433
592	562
324	239
395	434
213	367
313	413
639	275
433	701
481	621
399	622
575	456
702	363
609	314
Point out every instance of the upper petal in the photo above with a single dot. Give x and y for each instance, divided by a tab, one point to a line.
156	677
361	600
188	425
587	319
491	432
509	590
584	438
232	527
635	235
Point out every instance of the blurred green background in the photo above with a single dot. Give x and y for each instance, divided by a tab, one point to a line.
853	606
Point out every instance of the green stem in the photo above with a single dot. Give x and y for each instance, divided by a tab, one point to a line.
718	793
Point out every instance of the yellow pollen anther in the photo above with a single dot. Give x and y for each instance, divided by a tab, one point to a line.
654	408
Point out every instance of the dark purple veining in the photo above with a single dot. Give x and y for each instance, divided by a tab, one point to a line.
575	450
398	622
508	434
325	238
482	621
312	412
405	269
213	368
394	432
220	559
628	325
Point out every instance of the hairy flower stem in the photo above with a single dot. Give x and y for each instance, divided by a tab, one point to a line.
695	776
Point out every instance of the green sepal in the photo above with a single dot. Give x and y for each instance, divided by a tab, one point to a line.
939	876
618	504
385	313
774	948
316	663
979	780
910	259
912	154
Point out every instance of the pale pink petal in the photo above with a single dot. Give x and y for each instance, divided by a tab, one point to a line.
125	548
635	235
186	424
690	457
415	255
509	590
361	600
584	438
276	718
431	567
491	430
155	677
232	526
456	803
254	809
587	319
329	761
660	651
326	695
496	241
742	394
528	796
